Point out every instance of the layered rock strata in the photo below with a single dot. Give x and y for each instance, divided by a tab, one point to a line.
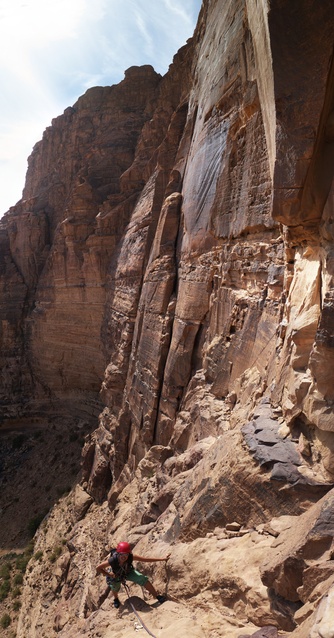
173	249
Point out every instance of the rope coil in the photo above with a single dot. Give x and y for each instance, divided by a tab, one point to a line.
135	611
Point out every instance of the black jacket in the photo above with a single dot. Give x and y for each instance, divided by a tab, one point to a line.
119	570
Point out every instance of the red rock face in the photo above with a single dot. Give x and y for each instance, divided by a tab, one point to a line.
304	113
61	237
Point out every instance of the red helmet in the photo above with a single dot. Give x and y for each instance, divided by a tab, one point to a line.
123	548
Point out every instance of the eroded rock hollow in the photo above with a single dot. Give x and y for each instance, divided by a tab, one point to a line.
167	280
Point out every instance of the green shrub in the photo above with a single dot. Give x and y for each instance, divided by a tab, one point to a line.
55	554
5	621
18	579
22	562
9	557
5	571
17	605
4	590
38	555
16	592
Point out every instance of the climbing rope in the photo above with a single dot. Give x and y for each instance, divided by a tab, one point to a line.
135	611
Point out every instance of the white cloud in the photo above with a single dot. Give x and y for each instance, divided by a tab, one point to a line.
53	50
143	29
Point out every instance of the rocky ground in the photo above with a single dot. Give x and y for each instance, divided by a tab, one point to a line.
235	566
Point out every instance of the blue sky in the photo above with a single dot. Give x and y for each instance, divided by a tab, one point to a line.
52	51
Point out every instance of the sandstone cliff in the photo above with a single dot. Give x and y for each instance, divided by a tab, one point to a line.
167	283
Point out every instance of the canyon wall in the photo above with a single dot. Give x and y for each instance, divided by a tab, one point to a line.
168	275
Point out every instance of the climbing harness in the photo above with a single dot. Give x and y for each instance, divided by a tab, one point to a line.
135	611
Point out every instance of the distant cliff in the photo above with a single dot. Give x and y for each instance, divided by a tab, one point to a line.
168	275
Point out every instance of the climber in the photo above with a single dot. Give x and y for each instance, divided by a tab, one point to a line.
120	562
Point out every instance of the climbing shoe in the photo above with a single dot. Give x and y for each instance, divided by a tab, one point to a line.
161	599
116	603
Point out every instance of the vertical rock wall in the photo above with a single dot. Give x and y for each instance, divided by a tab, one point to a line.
60	241
234	301
208	303
179	228
303	183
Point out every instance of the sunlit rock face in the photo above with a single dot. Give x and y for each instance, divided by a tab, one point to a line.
209	299
59	241
170	268
242	291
